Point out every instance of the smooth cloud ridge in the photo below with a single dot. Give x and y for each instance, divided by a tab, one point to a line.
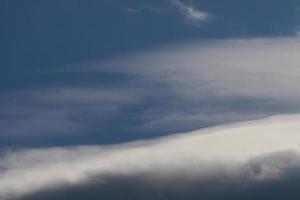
240	155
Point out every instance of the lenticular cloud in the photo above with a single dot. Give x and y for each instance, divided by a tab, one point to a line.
200	164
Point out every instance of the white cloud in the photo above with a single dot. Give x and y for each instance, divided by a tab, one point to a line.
250	150
216	80
265	68
190	13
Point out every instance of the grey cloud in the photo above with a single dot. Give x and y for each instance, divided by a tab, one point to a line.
218	78
59	111
237	67
168	89
183	188
232	157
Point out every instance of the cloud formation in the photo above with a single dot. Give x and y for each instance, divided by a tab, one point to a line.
218	80
169	89
190	13
60	110
236	67
240	154
142	8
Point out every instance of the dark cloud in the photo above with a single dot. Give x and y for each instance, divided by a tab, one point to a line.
179	187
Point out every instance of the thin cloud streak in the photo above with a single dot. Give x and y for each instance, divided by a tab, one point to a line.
191	14
60	110
142	8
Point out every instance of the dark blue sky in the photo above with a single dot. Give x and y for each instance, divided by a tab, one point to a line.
95	93
36	34
40	39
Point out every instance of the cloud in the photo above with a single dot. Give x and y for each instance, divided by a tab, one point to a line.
249	152
218	80
142	8
191	14
160	91
258	68
60	110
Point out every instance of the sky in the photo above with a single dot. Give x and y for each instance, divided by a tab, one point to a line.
109	89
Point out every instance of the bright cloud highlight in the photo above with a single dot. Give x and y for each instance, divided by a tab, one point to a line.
250	151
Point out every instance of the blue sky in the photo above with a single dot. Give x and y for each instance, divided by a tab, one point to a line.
50	95
149	99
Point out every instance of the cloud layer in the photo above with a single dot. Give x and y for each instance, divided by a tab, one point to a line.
245	153
60	110
160	91
218	80
259	68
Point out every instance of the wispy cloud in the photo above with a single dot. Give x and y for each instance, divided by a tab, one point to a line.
220	67
191	14
221	79
59	111
142	8
168	89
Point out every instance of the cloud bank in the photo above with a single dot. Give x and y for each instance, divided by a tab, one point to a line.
208	162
